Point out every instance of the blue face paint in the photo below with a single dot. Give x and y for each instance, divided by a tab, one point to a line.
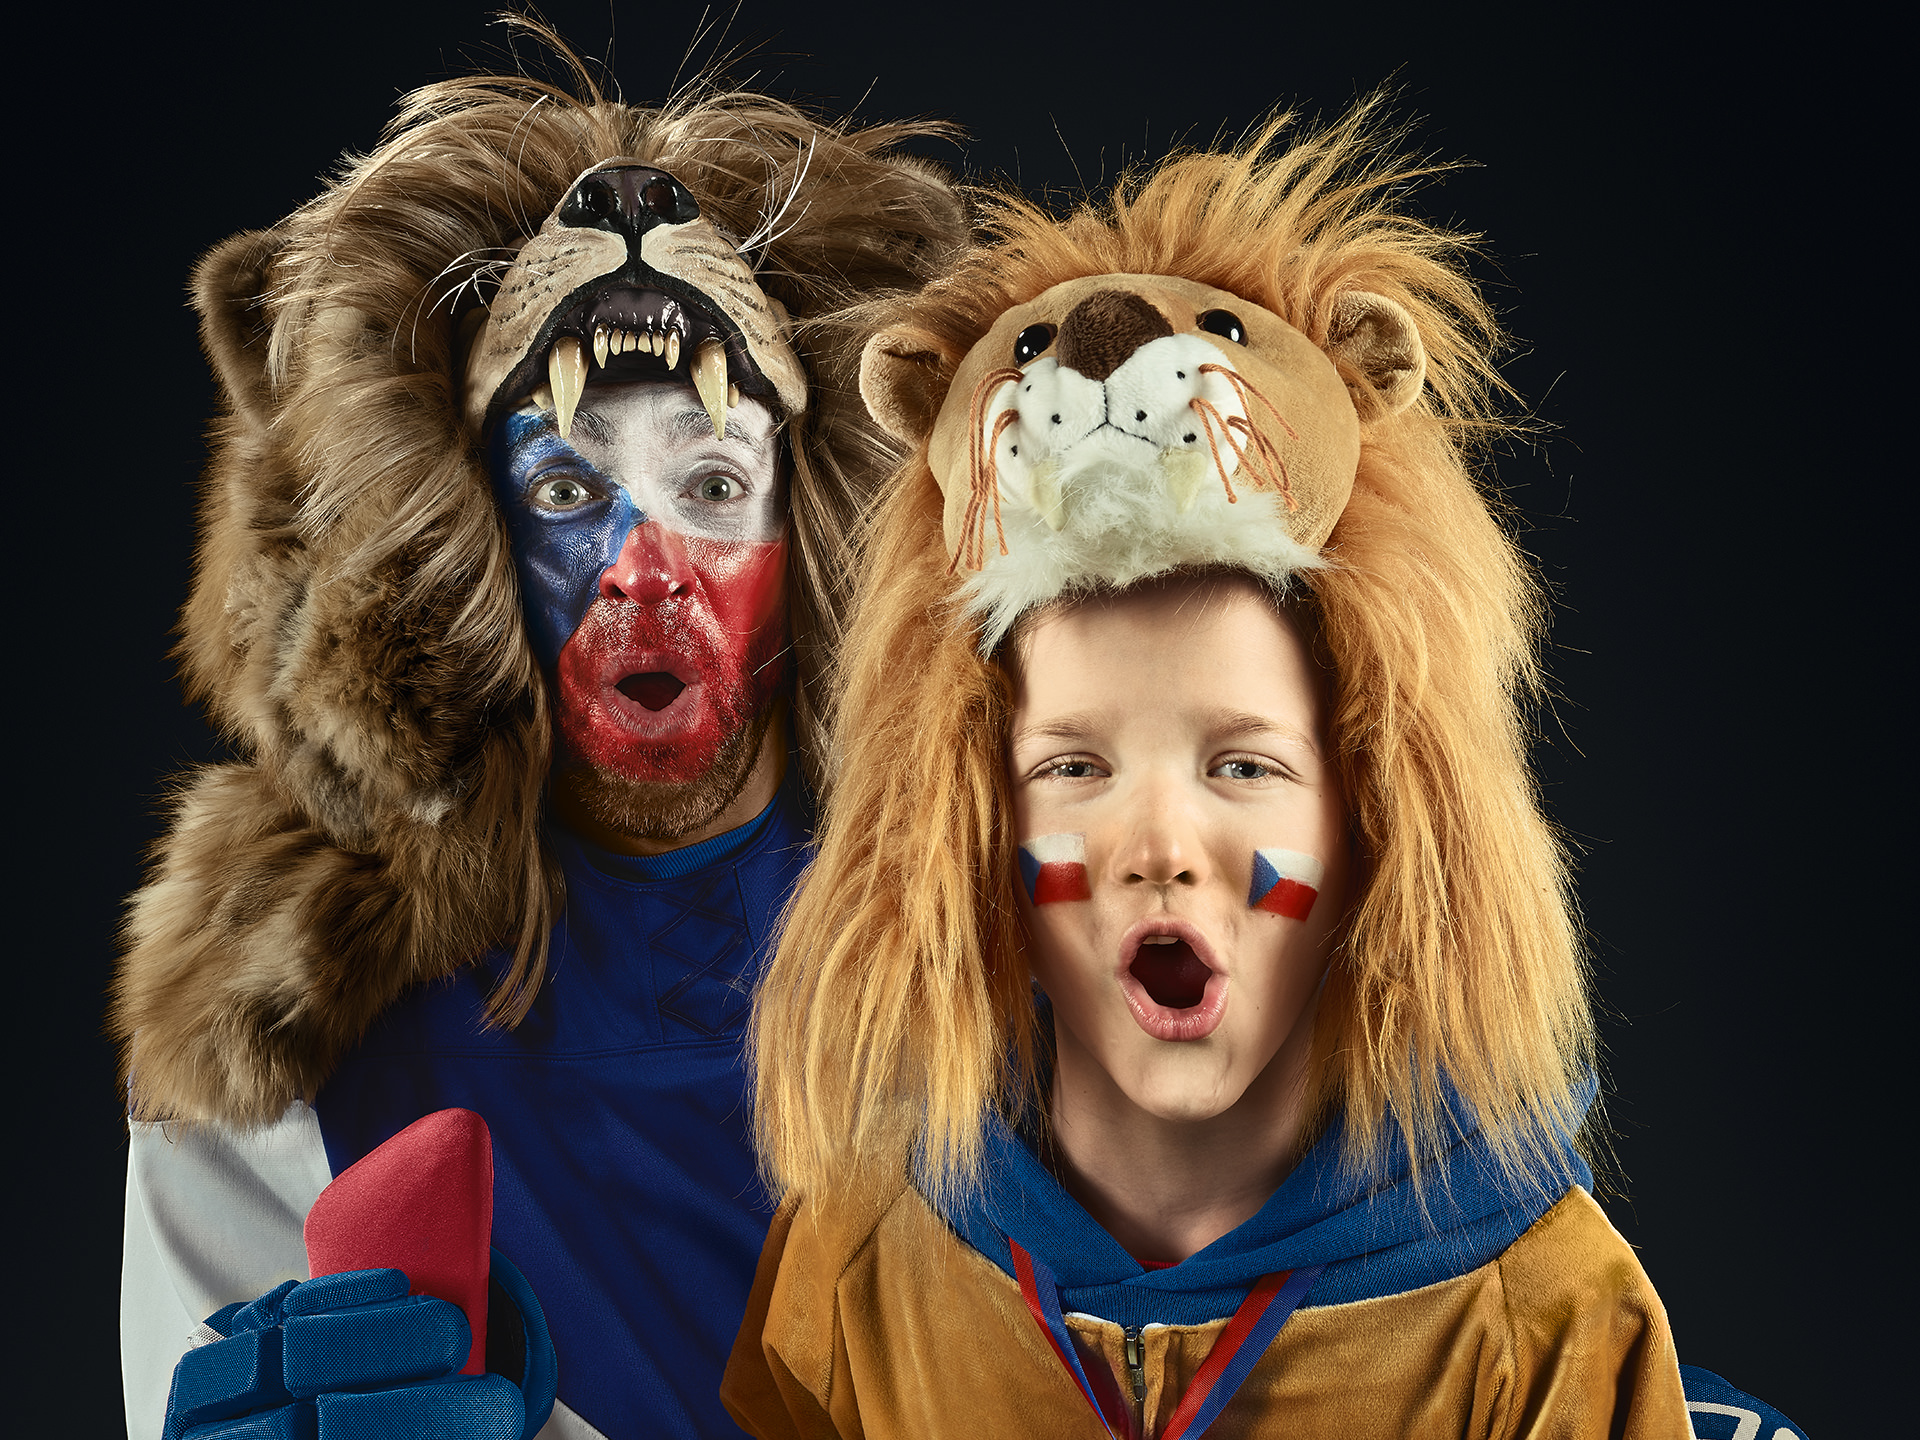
561	549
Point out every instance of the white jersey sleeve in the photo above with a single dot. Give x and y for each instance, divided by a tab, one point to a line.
214	1215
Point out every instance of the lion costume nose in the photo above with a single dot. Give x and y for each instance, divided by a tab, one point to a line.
1105	328
628	200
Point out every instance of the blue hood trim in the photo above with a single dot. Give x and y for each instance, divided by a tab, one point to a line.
1374	1238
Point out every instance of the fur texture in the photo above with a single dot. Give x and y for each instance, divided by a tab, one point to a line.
354	626
884	1027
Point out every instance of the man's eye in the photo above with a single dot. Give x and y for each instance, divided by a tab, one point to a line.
716	488
561	493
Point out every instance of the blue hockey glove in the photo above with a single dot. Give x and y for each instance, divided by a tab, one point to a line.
354	1357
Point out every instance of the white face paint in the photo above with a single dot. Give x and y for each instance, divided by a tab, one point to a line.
656	442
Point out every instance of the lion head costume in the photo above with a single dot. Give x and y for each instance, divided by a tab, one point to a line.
1249	359
355	628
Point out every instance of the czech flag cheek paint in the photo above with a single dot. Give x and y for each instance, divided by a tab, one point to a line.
1054	868
1285	882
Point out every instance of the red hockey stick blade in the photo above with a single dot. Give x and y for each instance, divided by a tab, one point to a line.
422	1203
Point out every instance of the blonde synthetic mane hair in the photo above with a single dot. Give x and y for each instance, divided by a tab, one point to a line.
355	624
897	1011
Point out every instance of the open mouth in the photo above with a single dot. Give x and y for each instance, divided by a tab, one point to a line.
652	689
1174	984
1170	972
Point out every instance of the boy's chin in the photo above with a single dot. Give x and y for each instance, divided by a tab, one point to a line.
1186	1094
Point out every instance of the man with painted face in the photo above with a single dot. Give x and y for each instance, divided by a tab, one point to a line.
651	546
522	626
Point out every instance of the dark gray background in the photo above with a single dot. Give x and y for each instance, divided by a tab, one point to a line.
1690	235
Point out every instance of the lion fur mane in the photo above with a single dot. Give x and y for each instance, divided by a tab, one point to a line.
354	624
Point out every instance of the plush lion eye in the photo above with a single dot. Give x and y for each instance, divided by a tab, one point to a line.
1032	341
1225	324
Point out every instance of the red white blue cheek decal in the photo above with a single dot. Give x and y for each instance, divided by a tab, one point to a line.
1285	882
1054	868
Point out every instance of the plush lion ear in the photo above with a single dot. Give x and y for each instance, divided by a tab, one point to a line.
904	378
1376	338
228	284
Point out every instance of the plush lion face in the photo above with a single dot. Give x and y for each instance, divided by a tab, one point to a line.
1118	426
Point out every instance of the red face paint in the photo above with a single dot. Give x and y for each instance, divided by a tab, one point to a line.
683	647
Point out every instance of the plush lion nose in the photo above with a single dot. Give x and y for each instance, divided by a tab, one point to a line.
1104	329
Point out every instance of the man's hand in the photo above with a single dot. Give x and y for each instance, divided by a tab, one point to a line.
354	1357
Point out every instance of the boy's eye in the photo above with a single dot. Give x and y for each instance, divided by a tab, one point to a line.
562	492
1071	770
716	488
1242	770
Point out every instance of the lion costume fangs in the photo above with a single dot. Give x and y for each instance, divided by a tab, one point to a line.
354	627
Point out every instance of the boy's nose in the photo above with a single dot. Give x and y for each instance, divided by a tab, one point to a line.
1161	843
651	567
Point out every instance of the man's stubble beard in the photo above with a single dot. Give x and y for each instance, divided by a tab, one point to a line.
662	810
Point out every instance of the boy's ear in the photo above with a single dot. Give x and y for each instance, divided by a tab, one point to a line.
904	378
228	285
1378	338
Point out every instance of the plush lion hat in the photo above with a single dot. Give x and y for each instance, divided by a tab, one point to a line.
354	626
1256	360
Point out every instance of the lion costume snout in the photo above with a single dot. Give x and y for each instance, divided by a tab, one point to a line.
628	229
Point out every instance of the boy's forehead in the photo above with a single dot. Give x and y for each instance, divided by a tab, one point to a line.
1212	645
1177	606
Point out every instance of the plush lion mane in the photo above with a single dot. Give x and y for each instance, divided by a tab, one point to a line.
354	624
897	1008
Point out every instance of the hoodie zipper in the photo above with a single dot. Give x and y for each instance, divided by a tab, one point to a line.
1135	1351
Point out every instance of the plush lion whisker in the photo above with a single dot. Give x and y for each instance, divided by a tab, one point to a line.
1245	388
981	473
1209	417
783	232
1000	424
1270	458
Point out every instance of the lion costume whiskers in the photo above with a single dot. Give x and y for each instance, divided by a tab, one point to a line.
355	623
898	1009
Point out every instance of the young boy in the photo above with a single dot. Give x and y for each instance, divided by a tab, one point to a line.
1184	689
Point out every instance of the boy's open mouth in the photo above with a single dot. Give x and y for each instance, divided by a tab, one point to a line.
653	689
1170	972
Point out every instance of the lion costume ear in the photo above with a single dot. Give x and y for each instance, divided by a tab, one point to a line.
228	284
904	374
1377	338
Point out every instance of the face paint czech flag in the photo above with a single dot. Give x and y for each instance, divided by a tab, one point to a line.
652	562
1285	882
1054	868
